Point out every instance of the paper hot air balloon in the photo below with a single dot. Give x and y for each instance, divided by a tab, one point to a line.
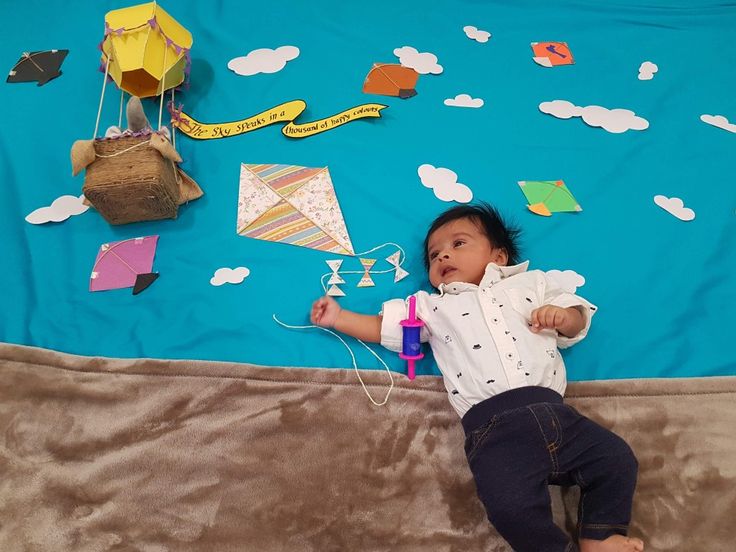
146	51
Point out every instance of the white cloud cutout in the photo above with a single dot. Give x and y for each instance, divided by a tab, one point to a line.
569	280
229	275
444	184
61	209
718	121
675	207
263	60
476	34
422	63
647	70
464	100
612	120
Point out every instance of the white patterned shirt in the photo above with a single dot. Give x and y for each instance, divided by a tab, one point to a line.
481	335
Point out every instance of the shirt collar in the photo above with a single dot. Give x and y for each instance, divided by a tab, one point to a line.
493	275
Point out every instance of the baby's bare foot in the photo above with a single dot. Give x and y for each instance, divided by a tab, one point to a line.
614	543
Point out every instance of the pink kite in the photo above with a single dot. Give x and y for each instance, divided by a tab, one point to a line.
124	264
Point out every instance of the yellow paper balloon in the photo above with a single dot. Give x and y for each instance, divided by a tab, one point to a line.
146	48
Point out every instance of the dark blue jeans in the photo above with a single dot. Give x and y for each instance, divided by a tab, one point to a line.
519	442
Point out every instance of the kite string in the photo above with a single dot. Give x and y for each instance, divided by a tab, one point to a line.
352	356
402	259
102	98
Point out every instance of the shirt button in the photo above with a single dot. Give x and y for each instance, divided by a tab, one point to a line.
509	355
495	320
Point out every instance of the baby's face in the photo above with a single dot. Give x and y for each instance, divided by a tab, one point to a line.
459	251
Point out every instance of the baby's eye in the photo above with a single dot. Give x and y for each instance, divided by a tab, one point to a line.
458	243
432	256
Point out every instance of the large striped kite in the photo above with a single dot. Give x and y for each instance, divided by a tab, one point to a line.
292	204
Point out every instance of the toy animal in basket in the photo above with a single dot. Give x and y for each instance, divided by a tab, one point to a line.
133	175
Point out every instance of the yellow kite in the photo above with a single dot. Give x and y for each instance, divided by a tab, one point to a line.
146	50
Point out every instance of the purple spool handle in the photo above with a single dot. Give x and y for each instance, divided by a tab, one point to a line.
411	338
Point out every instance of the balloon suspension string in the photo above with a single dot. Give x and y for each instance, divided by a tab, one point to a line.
163	88
402	258
120	115
173	127
102	98
352	356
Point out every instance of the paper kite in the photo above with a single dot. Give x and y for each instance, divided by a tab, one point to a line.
292	204
146	51
38	66
550	54
124	264
391	79
548	196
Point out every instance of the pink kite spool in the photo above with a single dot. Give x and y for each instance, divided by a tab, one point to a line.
411	342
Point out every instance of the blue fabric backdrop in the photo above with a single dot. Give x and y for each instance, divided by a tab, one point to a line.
664	287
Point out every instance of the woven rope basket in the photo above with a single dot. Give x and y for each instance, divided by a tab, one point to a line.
133	186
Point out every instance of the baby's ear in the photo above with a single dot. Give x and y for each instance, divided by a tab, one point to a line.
501	257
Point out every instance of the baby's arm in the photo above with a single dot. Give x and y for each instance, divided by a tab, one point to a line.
566	312
327	313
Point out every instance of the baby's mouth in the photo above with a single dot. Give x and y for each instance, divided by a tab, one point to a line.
447	270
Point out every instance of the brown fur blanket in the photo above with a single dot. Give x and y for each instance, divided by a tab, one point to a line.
149	455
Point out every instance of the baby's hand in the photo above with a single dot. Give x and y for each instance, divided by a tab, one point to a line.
567	321
324	312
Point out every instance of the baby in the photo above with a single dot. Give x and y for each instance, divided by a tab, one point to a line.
495	329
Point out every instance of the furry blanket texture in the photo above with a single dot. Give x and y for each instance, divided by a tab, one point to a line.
153	455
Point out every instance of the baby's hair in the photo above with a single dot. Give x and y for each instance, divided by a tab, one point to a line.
499	233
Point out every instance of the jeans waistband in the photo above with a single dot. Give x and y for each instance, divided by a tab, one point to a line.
508	400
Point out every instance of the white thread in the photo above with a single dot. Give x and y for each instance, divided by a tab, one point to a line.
352	356
126	150
173	126
163	84
120	115
401	261
102	98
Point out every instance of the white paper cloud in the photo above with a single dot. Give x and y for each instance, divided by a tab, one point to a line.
61	209
476	34
229	276
675	207
613	120
444	184
263	60
647	70
718	121
464	100
569	280
422	63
